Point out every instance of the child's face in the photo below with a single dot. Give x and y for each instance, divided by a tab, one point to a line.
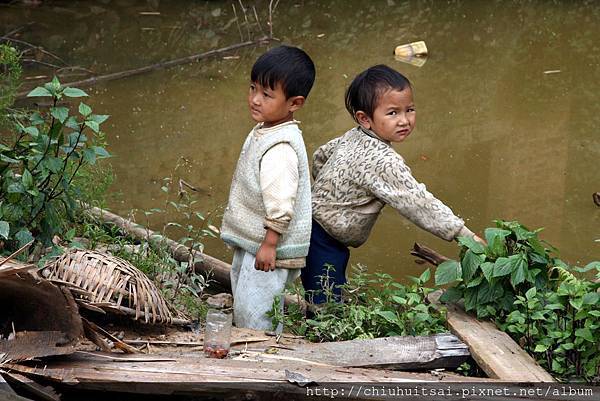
394	117
270	105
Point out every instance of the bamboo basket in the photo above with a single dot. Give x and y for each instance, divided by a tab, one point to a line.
104	282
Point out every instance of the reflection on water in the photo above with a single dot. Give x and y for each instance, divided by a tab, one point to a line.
507	103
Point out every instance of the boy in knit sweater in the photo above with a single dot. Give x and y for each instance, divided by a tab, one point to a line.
357	174
268	216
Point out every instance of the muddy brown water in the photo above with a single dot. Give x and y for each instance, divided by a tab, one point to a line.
507	104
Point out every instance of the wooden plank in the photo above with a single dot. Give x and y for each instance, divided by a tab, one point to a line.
495	352
45	393
198	375
406	352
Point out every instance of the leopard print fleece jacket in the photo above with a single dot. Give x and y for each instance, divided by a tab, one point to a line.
356	175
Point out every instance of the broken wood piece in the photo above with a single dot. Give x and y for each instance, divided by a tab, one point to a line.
494	351
401	352
128	349
428	254
46	393
194	343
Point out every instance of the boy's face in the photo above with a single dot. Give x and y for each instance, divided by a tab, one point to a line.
270	105
394	117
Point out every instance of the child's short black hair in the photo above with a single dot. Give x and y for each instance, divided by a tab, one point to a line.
364	91
289	66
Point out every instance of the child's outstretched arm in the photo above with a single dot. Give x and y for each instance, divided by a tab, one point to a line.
279	179
393	183
321	156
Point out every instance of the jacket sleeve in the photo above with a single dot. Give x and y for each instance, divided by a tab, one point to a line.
392	181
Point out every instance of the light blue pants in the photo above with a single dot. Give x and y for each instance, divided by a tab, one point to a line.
254	290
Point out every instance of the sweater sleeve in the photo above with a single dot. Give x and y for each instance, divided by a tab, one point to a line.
279	179
392	181
321	156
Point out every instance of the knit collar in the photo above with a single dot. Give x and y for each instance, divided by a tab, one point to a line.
372	134
259	130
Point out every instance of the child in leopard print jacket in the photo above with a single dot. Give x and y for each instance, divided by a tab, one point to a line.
357	174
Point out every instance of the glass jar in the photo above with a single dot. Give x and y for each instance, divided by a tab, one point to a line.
217	333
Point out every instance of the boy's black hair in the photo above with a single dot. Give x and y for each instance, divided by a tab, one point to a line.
289	66
364	91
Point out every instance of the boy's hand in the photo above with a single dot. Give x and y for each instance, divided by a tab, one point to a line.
480	240
265	257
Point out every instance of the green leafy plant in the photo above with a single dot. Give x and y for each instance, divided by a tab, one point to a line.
39	164
374	305
534	296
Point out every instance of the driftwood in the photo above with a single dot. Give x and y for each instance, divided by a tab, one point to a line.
158	66
493	350
398	353
428	254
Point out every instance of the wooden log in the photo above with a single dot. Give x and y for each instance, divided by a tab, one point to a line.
494	351
428	254
401	353
202	263
158	66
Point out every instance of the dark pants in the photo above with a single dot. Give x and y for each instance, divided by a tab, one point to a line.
324	250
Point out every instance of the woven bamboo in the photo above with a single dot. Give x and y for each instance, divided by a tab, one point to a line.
99	280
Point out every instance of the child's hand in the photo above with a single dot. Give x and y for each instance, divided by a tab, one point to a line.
265	257
480	240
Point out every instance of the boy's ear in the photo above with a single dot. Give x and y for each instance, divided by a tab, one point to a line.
296	103
363	119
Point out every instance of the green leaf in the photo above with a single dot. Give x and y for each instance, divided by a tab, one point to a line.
74	92
399	300
24	237
540	348
39	92
470	263
54	164
473	245
93	126
60	113
519	263
98	118
84	109
531	293
591	298
588	267
585	333
72	123
27	179
425	276
488	270
101	152
502	267
493	233
89	156
475	282
471	298
447	272
33	131
452	294
4	229
7	159
387	315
